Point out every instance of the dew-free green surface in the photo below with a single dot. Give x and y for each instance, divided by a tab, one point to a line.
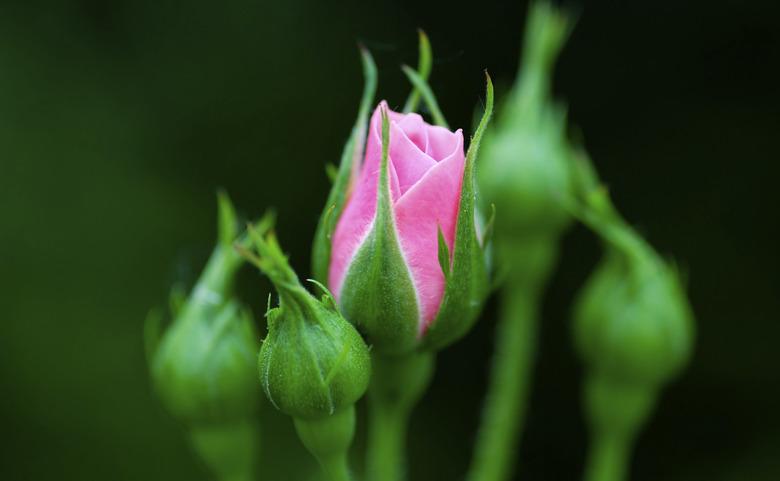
118	121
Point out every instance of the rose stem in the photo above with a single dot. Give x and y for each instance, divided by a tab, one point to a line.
397	384
529	265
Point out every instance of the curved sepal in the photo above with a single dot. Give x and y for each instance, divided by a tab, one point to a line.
467	284
350	161
424	65
378	294
421	85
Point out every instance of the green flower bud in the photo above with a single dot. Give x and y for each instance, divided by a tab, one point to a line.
524	169
633	327
633	321
313	362
203	365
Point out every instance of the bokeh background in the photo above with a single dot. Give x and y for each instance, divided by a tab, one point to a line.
119	119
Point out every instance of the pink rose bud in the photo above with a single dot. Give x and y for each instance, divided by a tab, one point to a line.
405	262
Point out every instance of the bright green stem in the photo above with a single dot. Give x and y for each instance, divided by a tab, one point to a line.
509	384
229	450
616	410
528	263
387	436
328	439
397	384
607	459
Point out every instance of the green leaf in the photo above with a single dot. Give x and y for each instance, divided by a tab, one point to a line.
351	159
427	94
378	294
468	284
424	65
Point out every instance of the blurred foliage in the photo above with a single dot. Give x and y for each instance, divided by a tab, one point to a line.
118	121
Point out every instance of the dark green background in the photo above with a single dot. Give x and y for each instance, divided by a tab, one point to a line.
118	120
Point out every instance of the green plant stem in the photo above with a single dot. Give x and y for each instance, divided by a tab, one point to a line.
387	441
397	384
616	410
607	459
229	450
528	263
328	439
336	468
509	383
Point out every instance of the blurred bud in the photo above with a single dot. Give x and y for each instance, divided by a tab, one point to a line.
632	318
405	262
633	324
313	362
524	167
204	364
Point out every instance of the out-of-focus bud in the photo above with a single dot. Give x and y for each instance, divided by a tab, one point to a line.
633	328
405	263
633	320
313	364
203	365
524	168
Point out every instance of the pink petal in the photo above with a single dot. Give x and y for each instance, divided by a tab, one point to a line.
415	129
431	202
441	142
409	161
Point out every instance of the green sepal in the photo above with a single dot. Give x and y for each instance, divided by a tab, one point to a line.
424	65
468	283
425	90
351	158
487	234
313	362
378	294
228	221
444	253
332	172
